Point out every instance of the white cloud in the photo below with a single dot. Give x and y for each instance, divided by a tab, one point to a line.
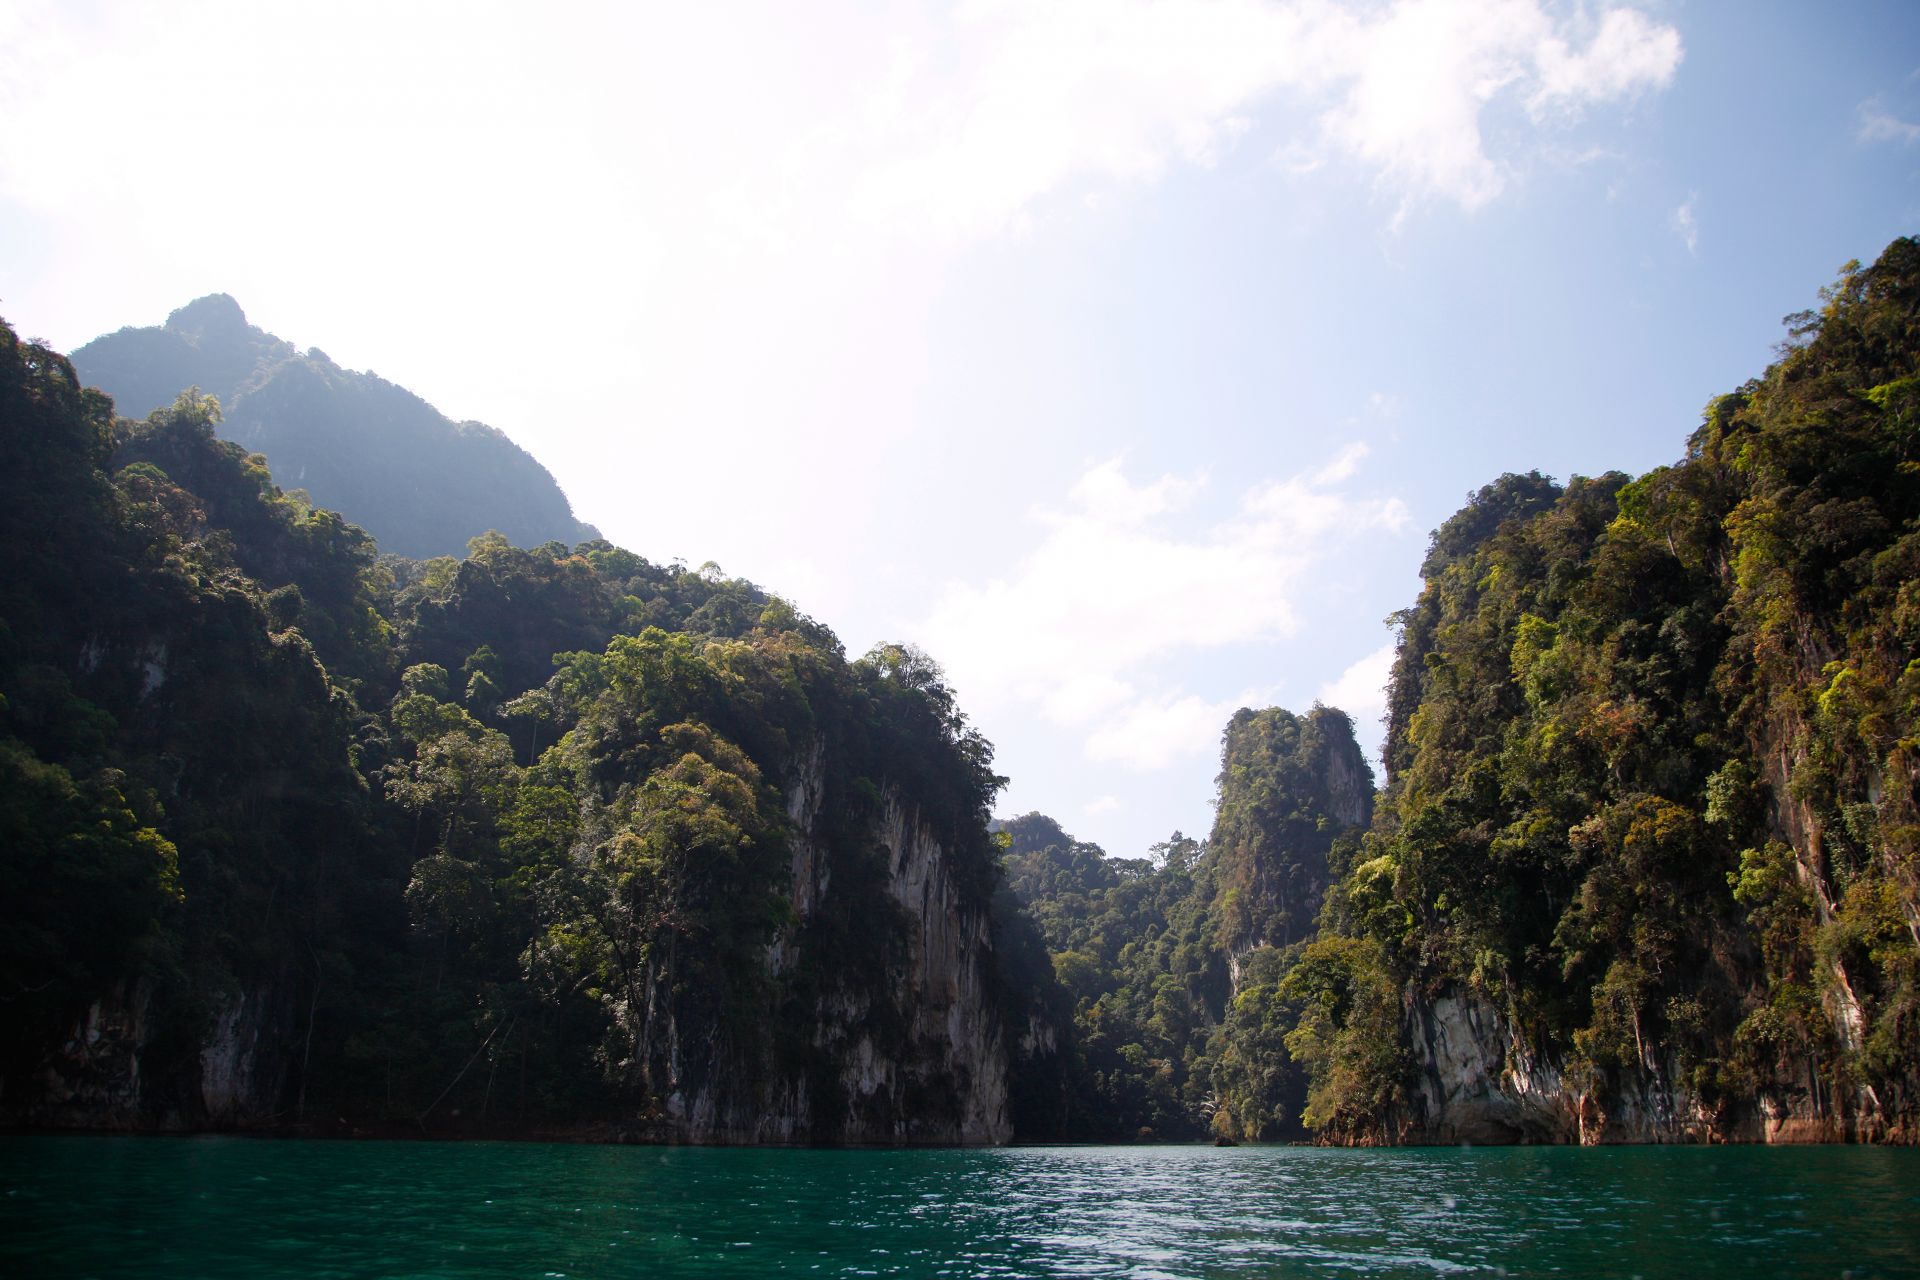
1629	53
1361	692
1687	225
742	218
1422	73
1087	625
1877	124
1385	405
713	168
1344	464
1105	495
982	116
1101	804
1153	732
1082	695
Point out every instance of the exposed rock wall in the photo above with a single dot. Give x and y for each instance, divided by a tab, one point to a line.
1477	1079
244	1059
102	1076
919	1058
954	1030
1477	1082
94	1079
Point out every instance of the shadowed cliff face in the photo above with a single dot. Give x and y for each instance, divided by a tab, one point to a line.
373	451
920	1057
838	983
914	1054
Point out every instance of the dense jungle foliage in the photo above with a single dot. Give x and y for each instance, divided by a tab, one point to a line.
381	456
492	837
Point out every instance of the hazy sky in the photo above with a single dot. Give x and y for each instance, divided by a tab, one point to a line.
1120	354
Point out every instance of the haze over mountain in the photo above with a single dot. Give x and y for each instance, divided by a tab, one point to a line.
381	456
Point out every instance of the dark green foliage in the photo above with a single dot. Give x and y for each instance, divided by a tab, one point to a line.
523	607
1166	960
318	570
1129	945
382	457
186	824
1037	1009
93	886
1174	962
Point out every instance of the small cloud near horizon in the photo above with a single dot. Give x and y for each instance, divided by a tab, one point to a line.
1103	624
1687	224
1361	692
1878	124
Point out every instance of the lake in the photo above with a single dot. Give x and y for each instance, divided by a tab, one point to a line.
220	1207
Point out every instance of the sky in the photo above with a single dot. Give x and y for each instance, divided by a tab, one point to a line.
1122	355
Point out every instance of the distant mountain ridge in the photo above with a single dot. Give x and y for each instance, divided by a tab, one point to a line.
387	460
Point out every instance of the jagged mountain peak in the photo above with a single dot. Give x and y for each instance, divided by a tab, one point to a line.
381	456
216	316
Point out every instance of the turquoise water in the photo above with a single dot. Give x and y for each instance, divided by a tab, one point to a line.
219	1207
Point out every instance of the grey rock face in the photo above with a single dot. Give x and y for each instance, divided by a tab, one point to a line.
1477	1082
937	1074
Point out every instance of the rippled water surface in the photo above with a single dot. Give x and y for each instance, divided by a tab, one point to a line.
220	1207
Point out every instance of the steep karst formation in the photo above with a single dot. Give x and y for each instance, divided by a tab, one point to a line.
1645	866
1289	787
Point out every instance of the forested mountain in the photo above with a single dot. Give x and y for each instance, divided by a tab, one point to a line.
378	454
1644	868
537	840
554	839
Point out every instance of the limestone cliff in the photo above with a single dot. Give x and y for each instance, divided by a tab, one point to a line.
117	1070
1479	1079
916	1054
1478	1082
1646	863
919	1056
551	841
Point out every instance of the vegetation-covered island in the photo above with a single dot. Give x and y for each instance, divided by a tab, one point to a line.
550	839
